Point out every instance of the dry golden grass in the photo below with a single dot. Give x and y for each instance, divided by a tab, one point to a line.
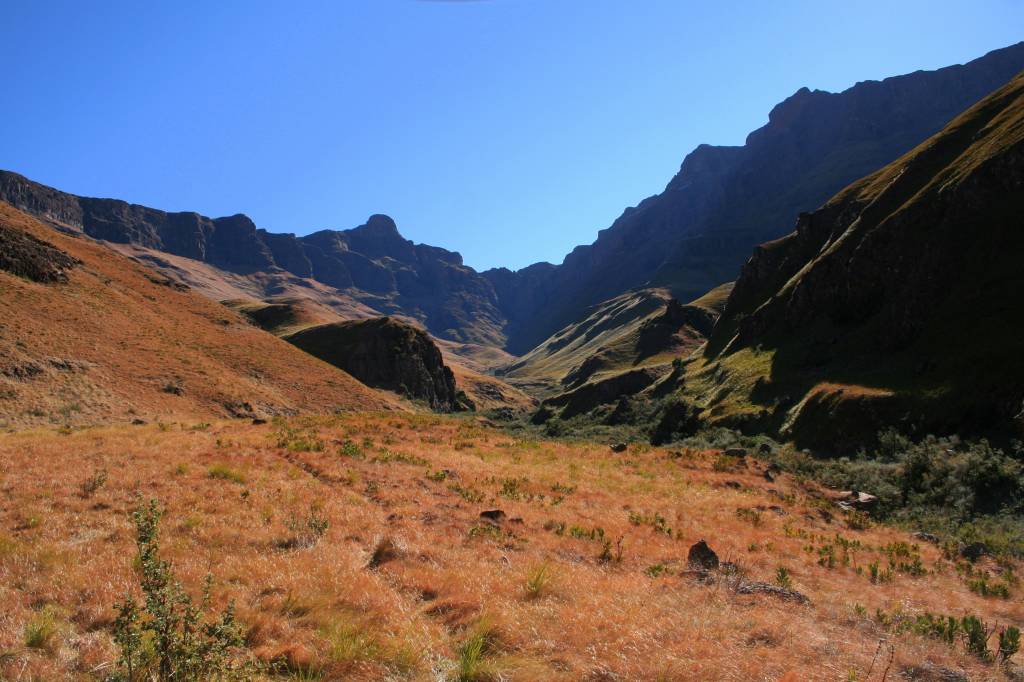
408	574
116	342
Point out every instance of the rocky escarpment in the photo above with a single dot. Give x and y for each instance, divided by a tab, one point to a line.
697	233
372	263
385	353
26	256
899	298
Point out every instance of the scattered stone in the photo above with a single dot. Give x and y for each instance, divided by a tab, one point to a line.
503	414
927	537
22	371
618	447
926	672
138	422
173	389
66	365
766	588
23	255
258	421
702	557
494	516
855	500
974	551
777	510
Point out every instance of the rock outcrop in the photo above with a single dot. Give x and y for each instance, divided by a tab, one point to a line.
23	255
384	353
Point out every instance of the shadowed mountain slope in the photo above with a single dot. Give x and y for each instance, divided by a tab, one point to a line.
697	233
896	302
87	336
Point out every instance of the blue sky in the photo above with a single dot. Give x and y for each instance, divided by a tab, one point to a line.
508	130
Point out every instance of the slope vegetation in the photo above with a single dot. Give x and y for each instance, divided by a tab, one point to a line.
87	335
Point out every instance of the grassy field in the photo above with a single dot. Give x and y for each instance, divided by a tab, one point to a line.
353	548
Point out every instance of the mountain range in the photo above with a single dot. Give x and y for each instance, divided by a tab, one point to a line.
690	238
606	323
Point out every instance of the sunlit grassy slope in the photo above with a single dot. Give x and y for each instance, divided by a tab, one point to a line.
354	549
118	341
607	340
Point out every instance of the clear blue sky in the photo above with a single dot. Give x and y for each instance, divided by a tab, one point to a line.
508	130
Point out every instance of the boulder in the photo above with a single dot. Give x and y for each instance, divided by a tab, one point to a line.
856	500
494	516
701	556
974	551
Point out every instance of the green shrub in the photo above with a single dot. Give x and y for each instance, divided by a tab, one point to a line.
225	473
167	638
91	485
42	630
783	578
1009	643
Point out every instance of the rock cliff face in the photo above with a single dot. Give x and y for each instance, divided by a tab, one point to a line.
373	263
384	353
900	296
697	233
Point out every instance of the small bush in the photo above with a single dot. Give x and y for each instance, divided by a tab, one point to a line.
225	473
42	630
167	638
751	516
783	578
306	530
91	485
1009	643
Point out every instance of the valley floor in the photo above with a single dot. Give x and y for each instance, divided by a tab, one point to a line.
353	548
